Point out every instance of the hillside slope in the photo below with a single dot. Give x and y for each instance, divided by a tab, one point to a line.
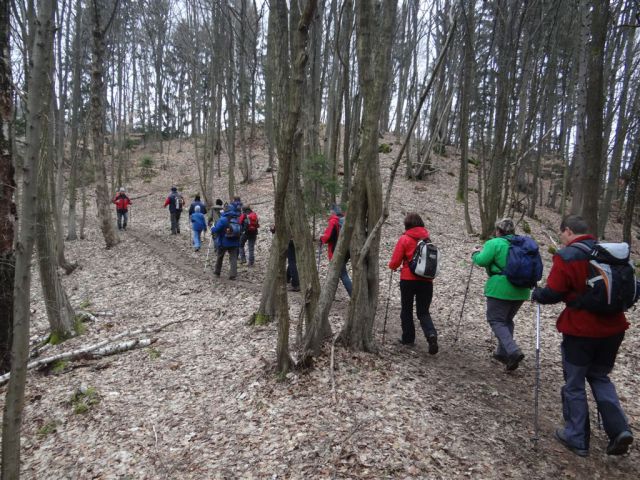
204	402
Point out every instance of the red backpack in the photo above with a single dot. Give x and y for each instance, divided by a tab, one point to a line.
251	222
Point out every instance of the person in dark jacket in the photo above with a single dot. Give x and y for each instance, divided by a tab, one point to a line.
197	203
122	208
175	201
226	243
503	298
250	225
590	344
330	237
413	286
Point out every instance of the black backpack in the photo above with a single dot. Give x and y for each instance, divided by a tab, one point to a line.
424	262
611	285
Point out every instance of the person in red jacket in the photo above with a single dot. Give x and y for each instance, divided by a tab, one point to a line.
330	237
413	286
590	343
122	208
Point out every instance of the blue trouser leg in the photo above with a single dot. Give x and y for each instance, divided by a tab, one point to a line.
346	281
196	238
174	222
251	243
614	420
292	269
241	252
500	314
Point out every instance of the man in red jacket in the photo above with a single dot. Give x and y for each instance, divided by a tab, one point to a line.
590	343
122	208
330	237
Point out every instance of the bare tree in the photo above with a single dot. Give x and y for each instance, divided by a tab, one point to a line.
37	111
97	126
7	190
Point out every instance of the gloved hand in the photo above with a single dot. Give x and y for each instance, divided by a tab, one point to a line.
535	294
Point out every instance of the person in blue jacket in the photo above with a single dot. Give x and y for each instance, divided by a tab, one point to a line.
227	231
198	225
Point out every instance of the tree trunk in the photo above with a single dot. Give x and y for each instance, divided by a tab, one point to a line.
37	111
7	189
97	129
76	101
590	185
632	193
374	40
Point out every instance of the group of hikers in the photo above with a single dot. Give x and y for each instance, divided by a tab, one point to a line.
591	333
592	325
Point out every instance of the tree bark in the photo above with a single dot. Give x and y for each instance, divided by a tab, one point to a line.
7	190
103	199
37	112
374	40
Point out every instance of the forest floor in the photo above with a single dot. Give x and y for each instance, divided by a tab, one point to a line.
204	401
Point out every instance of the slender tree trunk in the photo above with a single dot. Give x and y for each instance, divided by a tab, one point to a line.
632	193
7	188
37	111
97	129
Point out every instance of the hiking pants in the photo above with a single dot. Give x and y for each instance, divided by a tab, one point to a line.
123	216
175	221
196	238
250	240
500	315
423	293
346	280
233	261
591	359
292	267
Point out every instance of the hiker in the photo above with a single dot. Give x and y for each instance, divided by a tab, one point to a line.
413	286
237	203
503	298
292	267
216	211
330	237
250	225
198	225
175	200
122	208
590	343
197	203
227	232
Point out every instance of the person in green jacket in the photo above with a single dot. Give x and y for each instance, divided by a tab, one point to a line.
503	299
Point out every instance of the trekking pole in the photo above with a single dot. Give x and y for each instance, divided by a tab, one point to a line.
206	260
464	301
386	312
537	384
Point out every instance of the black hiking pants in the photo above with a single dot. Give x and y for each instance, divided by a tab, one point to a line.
423	293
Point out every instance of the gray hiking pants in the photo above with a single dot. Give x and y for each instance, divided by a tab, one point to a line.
500	315
233	261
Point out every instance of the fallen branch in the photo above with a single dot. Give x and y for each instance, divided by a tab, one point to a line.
123	347
97	349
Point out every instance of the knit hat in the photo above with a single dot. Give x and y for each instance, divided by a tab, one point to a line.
336	209
174	189
506	226
122	189
197	208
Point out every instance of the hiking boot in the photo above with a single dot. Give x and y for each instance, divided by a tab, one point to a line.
216	274
197	249
432	340
514	360
620	444
500	358
581	452
293	289
232	278
405	344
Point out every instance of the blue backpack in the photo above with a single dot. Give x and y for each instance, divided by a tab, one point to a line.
524	265
233	229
